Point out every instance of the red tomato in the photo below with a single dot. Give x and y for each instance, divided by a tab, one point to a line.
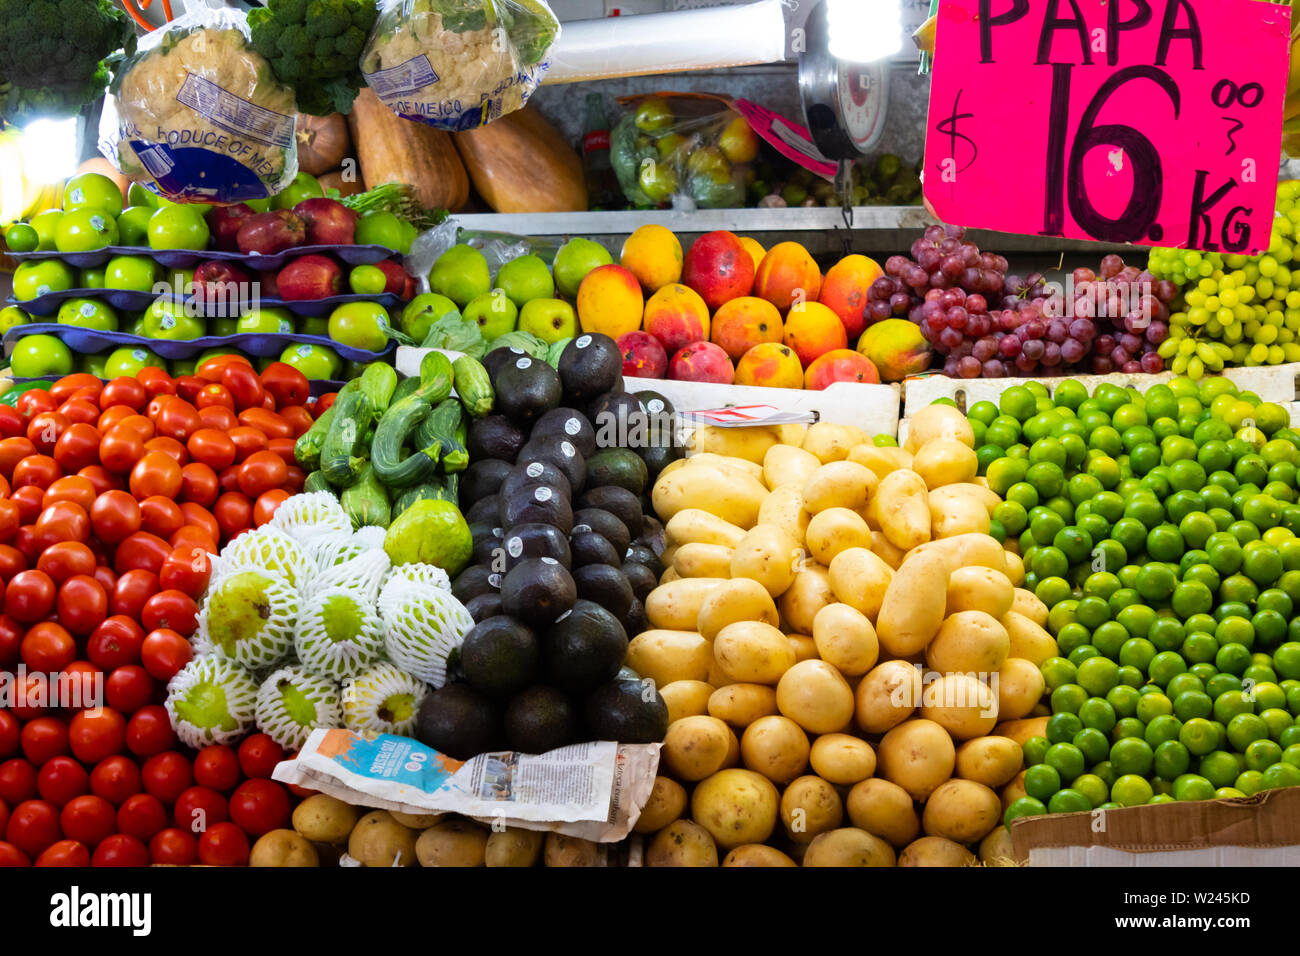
12	451
156	381
178	419
65	387
214	394
156	474
114	415
10	733
247	441
29	543
141	815
82	683
10	855
30	502
299	419
217	767
267	502
167	775
189	386
34	401
34	691
283	448
201	517
29	596
218	417
61	779
169	447
149	731
191	537
71	853
199	808
71	488
88	818
4	814
128	689
259	806
64	560
115	642
223	845
212	368
267	422
141	550
156	406
234	513
120	850
33	826
115	779
243	385
48	647
120	450
11	422
174	846
262	471
45	428
17	781
106	578
11	639
199	484
228	480
39	470
79	410
212	447
294	481
187	570
161	516
43	739
286	383
165	652
10	516
82	604
171	609
133	588
94	736
115	515
103	479
124	391
258	755
63	521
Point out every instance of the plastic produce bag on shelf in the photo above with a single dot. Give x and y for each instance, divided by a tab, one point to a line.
498	248
458	64
196	115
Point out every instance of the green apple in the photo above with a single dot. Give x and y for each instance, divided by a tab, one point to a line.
424	310
202	208
92	189
10	316
183	367
46	225
259	205
36	278
129	360
171	321
222	325
88	314
136	273
137	195
133	225
268	321
177	227
361	325
549	319
40	356
314	361
495	314
313	325
85	230
379	227
181	281
525	279
367	280
304	186
575	259
409	232
461	274
94	364
21	237
92	278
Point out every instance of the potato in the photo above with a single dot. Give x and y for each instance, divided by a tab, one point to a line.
665	656
885	809
784	509
935	851
969	489
1020	687
841	484
1027	603
776	747
676	606
859	577
884	549
792	434
979	589
739	705
682	843
903	509
1028	640
283	848
703	560
881	460
756	854
742	466
842	759
1013	791
849	847
736	807
695	747
323	819
666	803
379	840
938	421
962	811
727	493
816	697
810	592
453	842
418	821
1015	569
667	555
768	555
831	442
694	526
810	806
962	704
753	652
845	639
912	610
569	851
918	755
887	696
957	515
1022	730
787	465
835	530
686	698
804	647
992	761
996	849
962	550
716	677
513	846
739	599
670	575
945	461
749	443
968	642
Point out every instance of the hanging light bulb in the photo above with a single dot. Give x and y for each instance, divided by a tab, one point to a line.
864	31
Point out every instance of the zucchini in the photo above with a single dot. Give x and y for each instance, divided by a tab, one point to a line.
366	501
386	450
430	490
404	388
306	449
338	455
378	382
316	481
435	378
440	430
473	386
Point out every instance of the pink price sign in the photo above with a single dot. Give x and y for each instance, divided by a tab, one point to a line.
1156	122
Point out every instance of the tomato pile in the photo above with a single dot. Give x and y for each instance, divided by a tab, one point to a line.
112	499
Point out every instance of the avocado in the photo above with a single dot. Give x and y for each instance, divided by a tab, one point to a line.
560	452
606	586
500	656
590	364
659	457
652	533
482	479
587	547
619	710
487	539
495	436
619	410
619	502
635	621
484	511
617	466
497	359
535	540
605	525
538	590
475	580
540	719
655	403
570	423
641	578
484	606
584	648
640	554
458	721
526	389
535	473
537	504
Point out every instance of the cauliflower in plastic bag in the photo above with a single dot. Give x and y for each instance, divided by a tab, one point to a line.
197	115
458	64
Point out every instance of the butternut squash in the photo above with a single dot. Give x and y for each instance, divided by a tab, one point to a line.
521	163
393	150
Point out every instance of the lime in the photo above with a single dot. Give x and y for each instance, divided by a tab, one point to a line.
1291	755
1047	478
1196	567
1093	787
1066	759
1131	790
1192	786
1125	596
1070	393
1231	703
1106	772
1093	611
1170	759
1069	800
1098	675
1286	660
1137	652
1005	472
1235	630
1057	672
1066	701
1153	705
1097	714
1082	653
1199	736
1164	666
1093	743
1166	634
1219	767
1190	704
1262	754
1024	807
1123	698
1232	659
1199	647
1018	402
1249	782
984	412
1269	696
1069	637
1041	781
1130	675
1050	590
1156	582
1035	749
1258	673
1281	774
1128	727
1277	720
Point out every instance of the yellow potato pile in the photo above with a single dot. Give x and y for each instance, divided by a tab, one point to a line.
837	638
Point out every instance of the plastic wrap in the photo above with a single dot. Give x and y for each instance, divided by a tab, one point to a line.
458	64
498	248
196	115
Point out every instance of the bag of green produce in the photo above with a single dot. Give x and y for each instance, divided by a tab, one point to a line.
196	115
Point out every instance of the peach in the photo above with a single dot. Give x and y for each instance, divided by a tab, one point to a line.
840	365
609	301
756	250
719	268
702	362
812	330
676	316
787	276
844	291
643	356
654	256
770	365
745	322
897	348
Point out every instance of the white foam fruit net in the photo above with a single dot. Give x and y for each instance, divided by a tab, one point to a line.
382	700
362	574
422	626
308	516
249	617
211	700
370	536
429	575
339	633
292	702
268	548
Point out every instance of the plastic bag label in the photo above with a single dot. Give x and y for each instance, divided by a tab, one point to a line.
184	171
236	115
404	79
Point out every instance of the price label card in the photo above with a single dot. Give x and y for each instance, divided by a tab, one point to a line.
1156	122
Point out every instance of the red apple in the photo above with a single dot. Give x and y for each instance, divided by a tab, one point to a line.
270	287
221	288
329	222
224	223
396	275
643	356
702	362
266	233
719	268
310	277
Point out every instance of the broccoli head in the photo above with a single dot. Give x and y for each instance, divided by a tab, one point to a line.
315	47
